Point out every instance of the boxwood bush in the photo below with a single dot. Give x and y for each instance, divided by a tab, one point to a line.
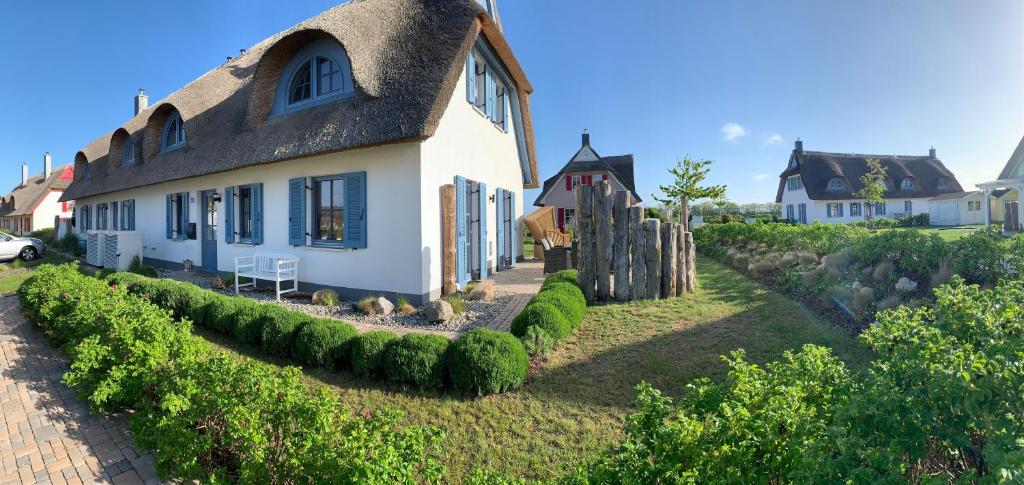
279	330
368	352
484	361
324	343
565	276
543	315
566	297
416	358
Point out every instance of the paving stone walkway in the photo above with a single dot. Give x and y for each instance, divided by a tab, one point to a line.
524	281
47	435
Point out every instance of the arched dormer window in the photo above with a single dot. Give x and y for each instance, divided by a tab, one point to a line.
318	73
86	172
128	152
943	183
173	134
907	184
836	184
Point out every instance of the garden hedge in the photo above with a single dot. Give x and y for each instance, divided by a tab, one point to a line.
324	343
207	416
368	352
553	313
416	358
484	361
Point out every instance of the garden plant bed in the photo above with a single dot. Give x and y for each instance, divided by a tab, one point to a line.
476	314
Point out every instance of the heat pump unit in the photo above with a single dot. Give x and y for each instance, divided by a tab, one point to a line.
120	248
95	247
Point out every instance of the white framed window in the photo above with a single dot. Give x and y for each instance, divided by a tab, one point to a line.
794	183
836	184
943	183
576	180
834	209
908	206
570	218
855	209
907	184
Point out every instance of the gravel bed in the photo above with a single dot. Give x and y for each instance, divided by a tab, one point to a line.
476	314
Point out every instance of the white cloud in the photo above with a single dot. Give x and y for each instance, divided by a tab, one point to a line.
773	139
761	176
732	132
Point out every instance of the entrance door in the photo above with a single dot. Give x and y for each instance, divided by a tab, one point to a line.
208	231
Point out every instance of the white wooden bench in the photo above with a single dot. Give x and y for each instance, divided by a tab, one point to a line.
268	267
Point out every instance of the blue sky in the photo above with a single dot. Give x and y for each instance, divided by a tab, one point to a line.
731	81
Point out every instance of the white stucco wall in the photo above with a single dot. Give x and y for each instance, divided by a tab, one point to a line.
468	144
47	210
817	209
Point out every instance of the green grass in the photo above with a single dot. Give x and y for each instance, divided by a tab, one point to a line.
528	248
573	406
14	272
950	233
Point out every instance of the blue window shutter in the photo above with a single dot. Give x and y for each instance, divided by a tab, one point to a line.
461	230
229	214
131	215
492	93
839	206
483	230
471	78
512	228
499	220
257	213
355	210
297	211
113	216
184	215
170	214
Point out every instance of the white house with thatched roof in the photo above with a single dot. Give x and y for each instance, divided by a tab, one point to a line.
35	203
331	141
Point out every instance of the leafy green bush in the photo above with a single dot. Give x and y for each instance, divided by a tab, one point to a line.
248	320
105	273
135	265
416	358
368	352
324	343
484	361
567	298
149	271
220	314
564	276
47	235
543	315
279	329
537	342
69	242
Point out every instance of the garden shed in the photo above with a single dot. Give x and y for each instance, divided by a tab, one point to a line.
965	208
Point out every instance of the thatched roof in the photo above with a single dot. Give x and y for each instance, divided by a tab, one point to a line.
23	199
406	58
816	169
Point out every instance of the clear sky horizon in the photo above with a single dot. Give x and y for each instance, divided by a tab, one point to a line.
732	81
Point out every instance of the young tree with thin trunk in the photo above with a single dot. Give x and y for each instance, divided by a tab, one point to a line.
874	187
689	175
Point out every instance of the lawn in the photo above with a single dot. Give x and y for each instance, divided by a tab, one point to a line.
16	271
950	233
573	406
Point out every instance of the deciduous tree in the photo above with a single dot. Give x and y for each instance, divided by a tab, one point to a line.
689	177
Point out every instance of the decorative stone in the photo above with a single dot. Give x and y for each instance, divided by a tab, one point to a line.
325	297
484	291
381	306
906	284
217	283
438	311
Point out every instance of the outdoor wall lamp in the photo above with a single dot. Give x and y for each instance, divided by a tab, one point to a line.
491	198
216	197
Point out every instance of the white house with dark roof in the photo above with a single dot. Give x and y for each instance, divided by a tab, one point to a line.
585	167
819	186
331	141
1011	179
35	203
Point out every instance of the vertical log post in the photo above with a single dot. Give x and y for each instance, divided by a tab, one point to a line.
652	256
691	263
603	232
448	254
668	260
638	252
585	238
681	260
621	247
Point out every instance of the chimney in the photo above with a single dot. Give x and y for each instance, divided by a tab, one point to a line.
24	174
47	165
141	101
798	146
931	152
586	138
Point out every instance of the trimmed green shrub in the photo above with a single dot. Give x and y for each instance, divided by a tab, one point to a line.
248	321
280	328
484	361
368	352
567	298
543	315
565	276
416	358
537	341
220	314
324	343
149	271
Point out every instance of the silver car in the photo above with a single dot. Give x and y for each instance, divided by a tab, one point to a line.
26	248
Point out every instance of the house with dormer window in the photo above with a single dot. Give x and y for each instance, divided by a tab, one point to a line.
332	142
819	186
585	167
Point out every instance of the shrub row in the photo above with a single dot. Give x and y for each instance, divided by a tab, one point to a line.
210	417
552	314
470	364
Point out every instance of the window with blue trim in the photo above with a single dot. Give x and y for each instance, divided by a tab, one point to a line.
907	184
127	215
332	206
244	216
101	216
177	216
128	155
487	87
174	133
318	73
328	210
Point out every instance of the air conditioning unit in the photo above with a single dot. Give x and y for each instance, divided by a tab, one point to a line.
120	247
95	242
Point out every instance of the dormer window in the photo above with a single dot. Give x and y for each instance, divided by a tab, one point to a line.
128	154
943	183
487	86
174	133
86	172
907	184
836	184
318	73
794	183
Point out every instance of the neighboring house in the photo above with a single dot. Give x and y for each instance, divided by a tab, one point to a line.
965	208
1012	179
585	167
819	186
332	141
35	203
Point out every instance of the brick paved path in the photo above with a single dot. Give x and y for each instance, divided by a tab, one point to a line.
523	280
47	435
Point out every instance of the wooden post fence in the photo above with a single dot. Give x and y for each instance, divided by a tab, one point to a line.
603	238
652	258
620	250
668	260
680	259
585	235
638	251
448	239
691	264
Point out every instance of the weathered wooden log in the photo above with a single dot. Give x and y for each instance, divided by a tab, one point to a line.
448	253
691	264
668	260
620	250
680	260
585	237
638	253
652	256
603	239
